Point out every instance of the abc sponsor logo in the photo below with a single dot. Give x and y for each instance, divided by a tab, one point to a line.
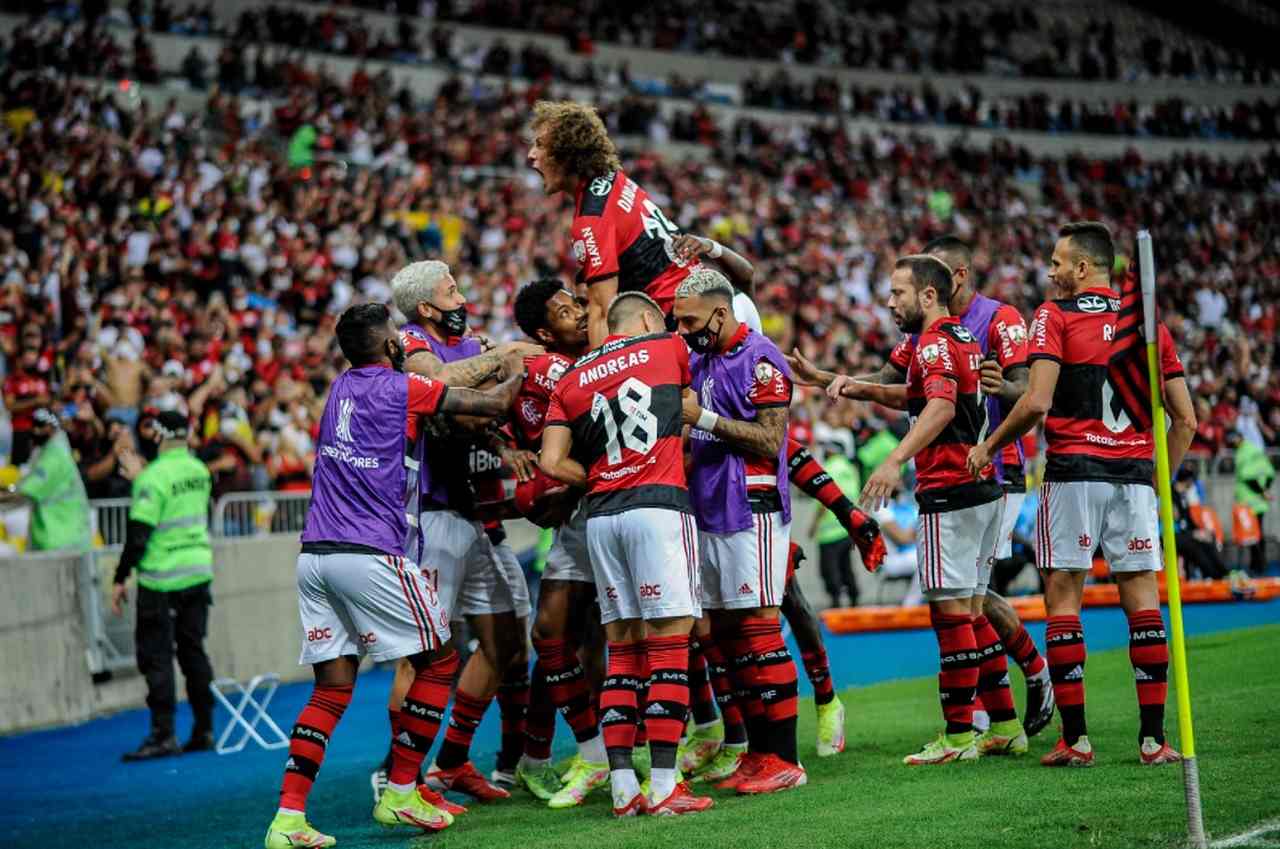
315	635
1138	544
650	591
368	639
1085	541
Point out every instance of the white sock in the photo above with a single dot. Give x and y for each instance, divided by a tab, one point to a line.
289	812
981	721
1042	675
624	786
400	788
592	751
662	782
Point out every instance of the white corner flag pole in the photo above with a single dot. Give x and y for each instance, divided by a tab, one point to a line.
1164	489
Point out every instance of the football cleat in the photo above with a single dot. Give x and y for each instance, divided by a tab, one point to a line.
464	779
634	808
408	807
378	783
540	779
1040	703
1002	738
831	728
947	748
1152	753
681	801
700	748
748	765
292	831
581	779
1079	753
434	798
724	764
772	776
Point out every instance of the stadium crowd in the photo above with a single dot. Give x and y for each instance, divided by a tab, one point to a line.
155	259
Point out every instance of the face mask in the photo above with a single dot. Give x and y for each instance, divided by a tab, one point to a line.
703	341
454	321
41	436
397	356
149	449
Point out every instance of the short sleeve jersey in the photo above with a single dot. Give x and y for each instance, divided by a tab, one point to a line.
1089	436
622	403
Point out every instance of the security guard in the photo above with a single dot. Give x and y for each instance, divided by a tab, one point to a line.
52	486
168	542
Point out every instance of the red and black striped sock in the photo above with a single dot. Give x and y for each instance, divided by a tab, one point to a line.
1149	655
540	721
668	697
958	668
420	718
618	701
1023	651
567	685
744	675
993	672
513	704
818	668
1064	644
702	700
776	684
465	717
642	701
308	742
735	729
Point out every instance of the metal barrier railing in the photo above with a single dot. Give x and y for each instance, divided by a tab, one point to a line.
245	514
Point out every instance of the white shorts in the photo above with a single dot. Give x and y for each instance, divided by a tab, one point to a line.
955	550
358	604
1008	521
568	560
460	563
746	568
646	564
514	575
1077	516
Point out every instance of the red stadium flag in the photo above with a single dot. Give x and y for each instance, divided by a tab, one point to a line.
1127	368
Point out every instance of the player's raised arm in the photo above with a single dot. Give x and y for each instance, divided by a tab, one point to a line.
739	270
489	403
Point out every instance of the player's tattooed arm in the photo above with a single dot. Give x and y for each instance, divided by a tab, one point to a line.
1007	387
471	371
490	403
763	437
554	458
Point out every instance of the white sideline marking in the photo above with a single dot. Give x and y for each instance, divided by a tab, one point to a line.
1247	837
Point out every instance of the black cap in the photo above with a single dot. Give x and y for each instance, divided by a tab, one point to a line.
171	425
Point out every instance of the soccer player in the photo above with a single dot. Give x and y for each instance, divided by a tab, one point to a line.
551	315
357	593
739	447
451	543
1097	485
621	238
618	412
1001	335
959	516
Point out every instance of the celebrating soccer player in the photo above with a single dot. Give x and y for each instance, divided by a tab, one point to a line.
357	593
1097	485
618	411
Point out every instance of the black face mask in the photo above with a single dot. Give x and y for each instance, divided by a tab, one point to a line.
149	449
41	436
703	341
454	321
397	356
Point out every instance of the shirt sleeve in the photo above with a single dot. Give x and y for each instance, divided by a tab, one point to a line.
145	504
1046	334
682	360
1170	363
936	360
900	356
413	343
595	247
425	395
555	408
769	386
1007	336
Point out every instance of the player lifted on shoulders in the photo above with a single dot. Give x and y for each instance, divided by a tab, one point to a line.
622	240
357	593
739	407
618	412
1097	485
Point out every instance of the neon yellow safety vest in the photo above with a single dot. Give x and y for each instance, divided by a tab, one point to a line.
60	508
172	495
845	476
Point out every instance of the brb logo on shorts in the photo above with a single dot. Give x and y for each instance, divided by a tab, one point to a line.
315	635
650	591
1137	544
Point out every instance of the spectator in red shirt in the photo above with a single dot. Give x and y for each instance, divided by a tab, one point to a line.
24	392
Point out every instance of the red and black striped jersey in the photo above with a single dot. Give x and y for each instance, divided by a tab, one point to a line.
947	364
622	404
619	230
542	373
1089	435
